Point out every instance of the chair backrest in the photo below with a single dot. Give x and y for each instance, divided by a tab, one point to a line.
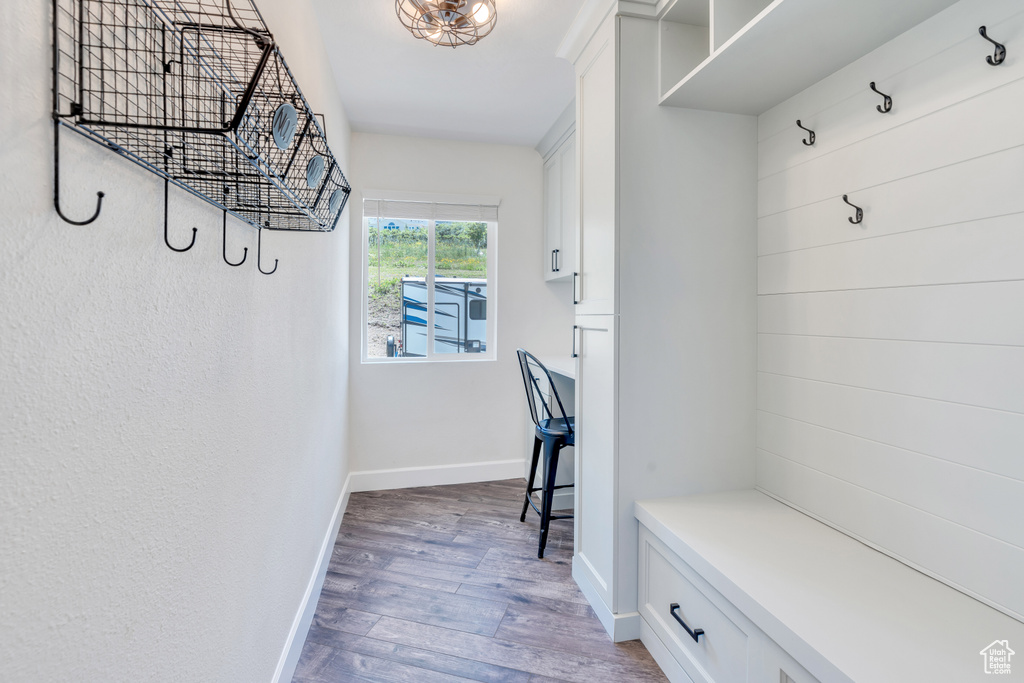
538	383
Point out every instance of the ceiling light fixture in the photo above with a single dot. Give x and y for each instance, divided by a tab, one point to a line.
447	22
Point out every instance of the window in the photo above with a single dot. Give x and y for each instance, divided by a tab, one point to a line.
428	273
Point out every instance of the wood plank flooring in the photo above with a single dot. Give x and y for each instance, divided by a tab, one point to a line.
442	583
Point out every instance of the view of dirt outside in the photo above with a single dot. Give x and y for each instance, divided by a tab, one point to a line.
397	248
383	318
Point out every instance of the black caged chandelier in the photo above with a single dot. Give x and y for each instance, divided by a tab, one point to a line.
447	22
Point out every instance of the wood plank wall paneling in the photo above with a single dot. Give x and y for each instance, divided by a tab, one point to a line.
988	440
981	188
891	353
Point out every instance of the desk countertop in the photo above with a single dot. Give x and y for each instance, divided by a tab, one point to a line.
562	365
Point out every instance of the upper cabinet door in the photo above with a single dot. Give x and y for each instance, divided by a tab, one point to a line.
553	209
565	259
560	208
594	286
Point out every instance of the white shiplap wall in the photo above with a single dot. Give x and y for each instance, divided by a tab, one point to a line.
891	353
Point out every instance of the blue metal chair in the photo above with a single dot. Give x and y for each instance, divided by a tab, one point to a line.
553	430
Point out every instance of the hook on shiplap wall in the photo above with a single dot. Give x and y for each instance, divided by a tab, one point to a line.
886	105
860	211
809	140
1000	56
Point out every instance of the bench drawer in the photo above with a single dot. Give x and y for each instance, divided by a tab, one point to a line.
777	665
722	654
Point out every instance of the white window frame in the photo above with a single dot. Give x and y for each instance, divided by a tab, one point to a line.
492	269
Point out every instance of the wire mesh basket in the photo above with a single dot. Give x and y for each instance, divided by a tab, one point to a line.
197	92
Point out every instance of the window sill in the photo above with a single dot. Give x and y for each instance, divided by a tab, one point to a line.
421	361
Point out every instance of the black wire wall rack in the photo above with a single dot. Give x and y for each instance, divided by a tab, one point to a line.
197	92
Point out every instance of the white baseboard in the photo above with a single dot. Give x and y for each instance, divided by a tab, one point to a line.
627	627
438	475
621	627
581	575
563	500
307	608
662	657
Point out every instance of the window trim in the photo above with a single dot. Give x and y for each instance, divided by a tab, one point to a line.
491	275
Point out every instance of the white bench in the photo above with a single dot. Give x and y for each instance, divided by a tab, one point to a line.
783	597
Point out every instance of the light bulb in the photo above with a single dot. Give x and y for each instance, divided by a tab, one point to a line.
481	13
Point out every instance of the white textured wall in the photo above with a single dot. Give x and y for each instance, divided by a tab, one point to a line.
429	414
172	430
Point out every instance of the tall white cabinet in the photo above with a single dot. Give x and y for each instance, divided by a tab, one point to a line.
594	296
665	314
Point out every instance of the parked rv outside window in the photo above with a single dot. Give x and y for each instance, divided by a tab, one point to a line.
426	289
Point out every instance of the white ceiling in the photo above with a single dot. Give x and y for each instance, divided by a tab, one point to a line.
508	88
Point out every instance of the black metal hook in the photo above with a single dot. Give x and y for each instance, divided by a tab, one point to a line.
1000	56
190	244
245	251
810	138
259	254
56	182
886	106
860	211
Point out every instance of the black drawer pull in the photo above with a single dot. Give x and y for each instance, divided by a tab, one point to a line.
674	611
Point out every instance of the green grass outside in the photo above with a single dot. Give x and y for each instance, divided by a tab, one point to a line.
461	251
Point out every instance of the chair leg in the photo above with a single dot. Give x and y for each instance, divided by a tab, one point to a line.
551	450
533	475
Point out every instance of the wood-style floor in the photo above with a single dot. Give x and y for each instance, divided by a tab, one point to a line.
442	583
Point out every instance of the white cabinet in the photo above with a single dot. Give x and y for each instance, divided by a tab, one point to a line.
781	596
777	665
560	202
595	558
674	598
595	452
728	645
552	216
665	309
594	286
